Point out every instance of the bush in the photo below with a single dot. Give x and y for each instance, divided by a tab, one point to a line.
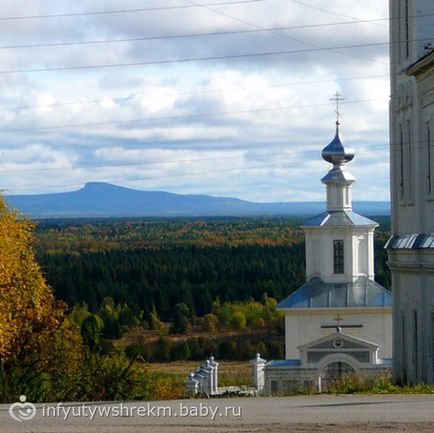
210	323
196	351
245	350
134	351
179	351
162	349
112	377
238	321
274	350
181	322
227	350
91	329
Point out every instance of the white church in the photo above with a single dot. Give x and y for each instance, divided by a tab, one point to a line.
340	320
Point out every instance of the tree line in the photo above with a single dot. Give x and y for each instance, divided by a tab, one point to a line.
150	281
61	318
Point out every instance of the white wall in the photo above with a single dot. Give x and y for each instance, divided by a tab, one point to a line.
338	196
412	106
413	343
358	252
422	26
303	326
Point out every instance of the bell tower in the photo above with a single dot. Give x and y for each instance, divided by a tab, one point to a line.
338	181
339	242
340	285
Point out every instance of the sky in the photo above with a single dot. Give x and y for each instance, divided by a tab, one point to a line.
192	96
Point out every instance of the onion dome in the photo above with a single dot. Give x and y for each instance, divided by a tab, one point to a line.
335	152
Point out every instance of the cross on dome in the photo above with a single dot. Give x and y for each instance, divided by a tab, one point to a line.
335	152
336	98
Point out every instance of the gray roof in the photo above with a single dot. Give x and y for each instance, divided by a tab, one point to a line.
339	219
411	242
422	64
319	294
338	175
284	363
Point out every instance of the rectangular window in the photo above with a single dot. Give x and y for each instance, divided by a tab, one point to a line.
404	349
401	163
410	163
338	256
432	343
415	344
407	30
428	157
399	31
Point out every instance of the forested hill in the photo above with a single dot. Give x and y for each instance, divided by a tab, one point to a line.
153	265
98	199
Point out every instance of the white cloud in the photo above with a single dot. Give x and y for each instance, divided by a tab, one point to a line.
238	127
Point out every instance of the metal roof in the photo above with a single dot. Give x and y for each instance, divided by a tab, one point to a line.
411	242
335	152
422	64
340	218
284	363
319	294
338	175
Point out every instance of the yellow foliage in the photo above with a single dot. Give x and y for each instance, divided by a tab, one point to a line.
28	312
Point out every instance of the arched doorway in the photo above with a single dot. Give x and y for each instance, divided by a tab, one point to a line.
335	372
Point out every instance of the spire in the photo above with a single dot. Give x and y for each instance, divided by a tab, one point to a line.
334	152
337	98
338	180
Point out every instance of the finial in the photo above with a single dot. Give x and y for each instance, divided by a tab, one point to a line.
335	152
337	98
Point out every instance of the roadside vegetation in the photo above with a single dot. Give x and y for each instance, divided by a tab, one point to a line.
356	384
359	384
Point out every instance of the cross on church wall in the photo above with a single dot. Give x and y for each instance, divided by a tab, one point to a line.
338	319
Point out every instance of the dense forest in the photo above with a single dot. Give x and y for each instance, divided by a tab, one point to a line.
121	294
151	266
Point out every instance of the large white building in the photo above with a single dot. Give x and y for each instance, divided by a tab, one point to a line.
340	320
411	247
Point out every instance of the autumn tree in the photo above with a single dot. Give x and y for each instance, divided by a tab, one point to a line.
181	323
34	336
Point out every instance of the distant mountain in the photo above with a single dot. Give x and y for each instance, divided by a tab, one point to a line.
97	199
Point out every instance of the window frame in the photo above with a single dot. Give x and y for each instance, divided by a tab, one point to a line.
338	257
429	140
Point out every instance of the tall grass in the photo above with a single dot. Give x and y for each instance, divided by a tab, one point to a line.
361	384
